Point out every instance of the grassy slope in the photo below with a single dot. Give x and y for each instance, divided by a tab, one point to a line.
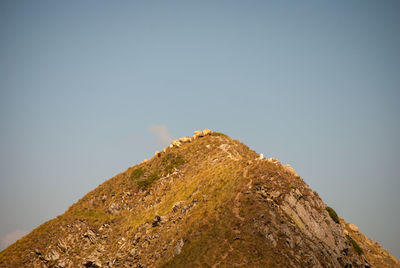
373	251
203	176
215	180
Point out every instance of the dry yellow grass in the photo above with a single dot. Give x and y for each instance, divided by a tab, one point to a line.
213	183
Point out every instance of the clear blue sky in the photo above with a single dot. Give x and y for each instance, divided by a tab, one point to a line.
314	83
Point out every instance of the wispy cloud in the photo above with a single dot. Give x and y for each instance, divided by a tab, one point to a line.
163	136
11	237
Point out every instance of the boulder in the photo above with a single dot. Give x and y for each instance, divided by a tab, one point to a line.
114	208
53	255
176	206
290	169
91	235
353	227
156	221
185	139
176	143
92	263
185	208
197	134
273	160
206	132
179	246
61	264
61	244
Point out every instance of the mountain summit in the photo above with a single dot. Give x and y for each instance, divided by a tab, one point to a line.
204	201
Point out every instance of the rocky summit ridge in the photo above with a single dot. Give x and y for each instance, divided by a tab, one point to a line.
204	201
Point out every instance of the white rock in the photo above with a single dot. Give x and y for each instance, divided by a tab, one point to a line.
176	143
353	227
185	139
206	132
273	160
290	169
178	247
197	134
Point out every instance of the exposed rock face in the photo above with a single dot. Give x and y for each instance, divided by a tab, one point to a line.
206	201
314	224
374	254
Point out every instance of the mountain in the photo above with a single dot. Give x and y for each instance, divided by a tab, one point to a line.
204	201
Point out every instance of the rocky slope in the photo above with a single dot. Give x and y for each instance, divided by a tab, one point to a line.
205	201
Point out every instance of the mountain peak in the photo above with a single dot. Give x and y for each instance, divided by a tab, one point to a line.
205	200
